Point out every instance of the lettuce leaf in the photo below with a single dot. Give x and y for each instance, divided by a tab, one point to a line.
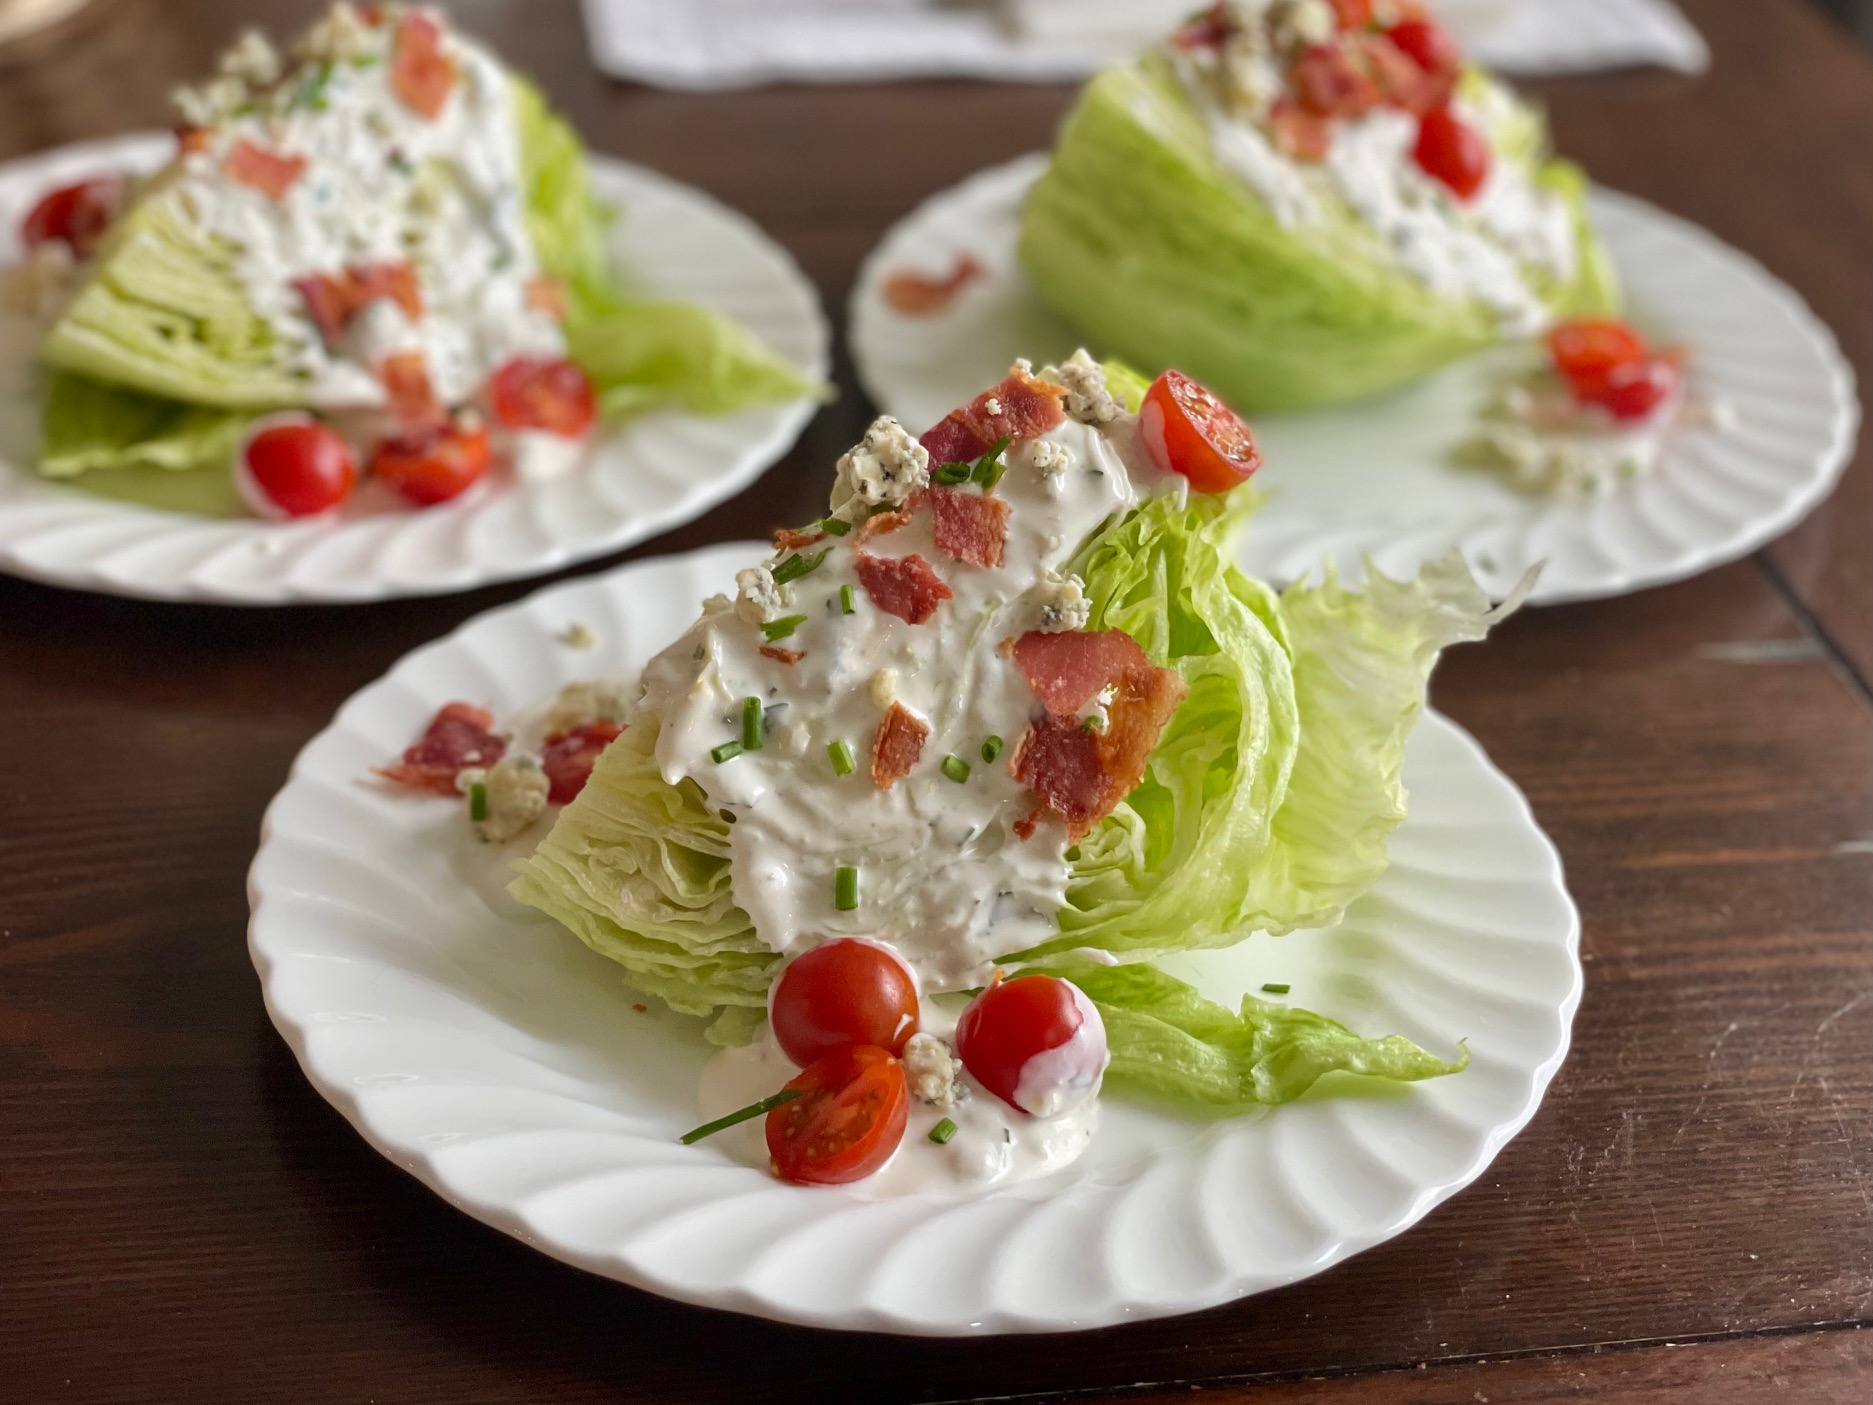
638	870
1170	1043
1158	255
87	426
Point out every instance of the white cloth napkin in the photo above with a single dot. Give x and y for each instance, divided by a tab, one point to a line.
740	43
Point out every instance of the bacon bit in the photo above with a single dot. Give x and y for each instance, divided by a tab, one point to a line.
969	526
568	758
1206	31
786	656
1303	135
420	75
457	737
191	139
1081	776
904	586
1400	79
405	377
546	294
1027	407
1067	669
1024	827
880	524
897	745
919	295
1329	81
266	171
328	302
787	539
393	281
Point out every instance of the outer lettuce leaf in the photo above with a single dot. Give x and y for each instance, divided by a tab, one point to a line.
638	869
87	426
1160	256
1170	1043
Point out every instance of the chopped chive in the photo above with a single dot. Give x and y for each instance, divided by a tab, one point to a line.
988	469
478	801
775	630
835	526
848	603
752	728
840	754
992	748
942	1132
740	1115
727	751
956	769
798	565
1277	988
845	888
952	473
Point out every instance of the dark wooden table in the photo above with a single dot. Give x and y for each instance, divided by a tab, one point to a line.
1690	1217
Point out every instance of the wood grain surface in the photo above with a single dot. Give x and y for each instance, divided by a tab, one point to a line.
183	1219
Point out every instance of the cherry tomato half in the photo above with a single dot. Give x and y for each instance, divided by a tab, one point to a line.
1188	430
1450	150
848	1120
543	392
76	214
1634	390
1430	45
432	463
1586	351
842	992
1009	1026
293	466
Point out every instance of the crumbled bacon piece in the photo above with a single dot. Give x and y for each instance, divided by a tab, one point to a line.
333	299
786	656
1078	774
1400	78
266	171
546	294
897	745
1330	81
904	586
405	377
787	539
1304	135
568	758
457	737
880	524
420	73
1021	407
969	526
920	295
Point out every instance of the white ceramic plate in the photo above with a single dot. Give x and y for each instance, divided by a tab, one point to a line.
1374	478
652	474
485	1050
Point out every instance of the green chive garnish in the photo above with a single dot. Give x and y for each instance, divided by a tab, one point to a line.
952	473
798	565
775	630
835	526
740	1115
478	801
845	889
988	469
1277	988
956	769
727	751
942	1132
992	748
840	754
751	728
848	603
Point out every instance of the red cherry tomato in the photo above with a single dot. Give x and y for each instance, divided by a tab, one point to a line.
76	214
1430	45
543	392
843	992
568	758
848	1120
295	467
1634	390
1188	430
432	463
1011	1022
1586	351
1452	151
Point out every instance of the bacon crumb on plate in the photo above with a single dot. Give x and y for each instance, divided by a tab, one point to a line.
457	737
896	745
568	758
920	295
904	586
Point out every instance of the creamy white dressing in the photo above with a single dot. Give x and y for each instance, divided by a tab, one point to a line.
941	877
993	1145
382	184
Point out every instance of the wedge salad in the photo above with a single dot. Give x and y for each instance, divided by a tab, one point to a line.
1303	202
908	817
376	256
